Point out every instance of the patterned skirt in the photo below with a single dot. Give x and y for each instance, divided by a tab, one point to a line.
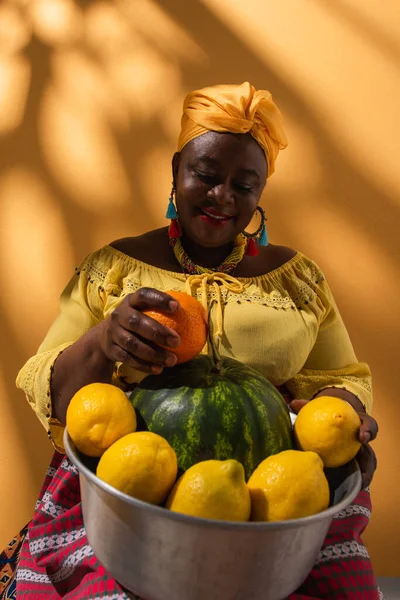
56	561
8	565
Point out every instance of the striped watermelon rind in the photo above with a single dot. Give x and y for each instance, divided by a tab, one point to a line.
208	412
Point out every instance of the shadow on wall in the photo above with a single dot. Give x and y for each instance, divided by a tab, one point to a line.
365	28
135	114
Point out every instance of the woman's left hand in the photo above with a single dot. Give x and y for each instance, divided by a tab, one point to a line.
368	431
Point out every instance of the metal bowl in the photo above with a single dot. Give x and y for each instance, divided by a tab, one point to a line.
162	555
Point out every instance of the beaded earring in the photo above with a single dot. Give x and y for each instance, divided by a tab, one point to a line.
261	235
174	230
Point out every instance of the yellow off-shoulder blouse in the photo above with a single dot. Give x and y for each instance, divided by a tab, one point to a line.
285	324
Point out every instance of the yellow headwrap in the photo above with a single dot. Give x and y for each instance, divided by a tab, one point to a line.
237	109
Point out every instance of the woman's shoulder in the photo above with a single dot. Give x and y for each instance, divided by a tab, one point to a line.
281	264
278	256
133	244
127	259
282	257
151	248
269	258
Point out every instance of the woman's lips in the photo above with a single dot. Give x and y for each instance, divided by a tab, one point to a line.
214	218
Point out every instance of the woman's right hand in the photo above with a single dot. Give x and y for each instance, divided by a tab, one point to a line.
133	338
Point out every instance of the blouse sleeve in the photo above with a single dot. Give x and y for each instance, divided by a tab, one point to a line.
79	311
332	361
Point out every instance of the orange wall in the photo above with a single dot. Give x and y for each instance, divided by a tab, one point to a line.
90	98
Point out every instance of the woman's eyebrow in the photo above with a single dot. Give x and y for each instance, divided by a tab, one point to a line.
207	160
252	172
212	162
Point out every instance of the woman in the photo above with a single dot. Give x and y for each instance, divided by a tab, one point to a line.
270	308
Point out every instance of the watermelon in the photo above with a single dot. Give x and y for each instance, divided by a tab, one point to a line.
208	410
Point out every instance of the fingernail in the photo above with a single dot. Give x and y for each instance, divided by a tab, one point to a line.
173	341
156	369
171	361
173	305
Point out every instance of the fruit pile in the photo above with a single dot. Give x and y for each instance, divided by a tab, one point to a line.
216	438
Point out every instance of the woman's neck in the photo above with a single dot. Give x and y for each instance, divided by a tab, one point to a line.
206	257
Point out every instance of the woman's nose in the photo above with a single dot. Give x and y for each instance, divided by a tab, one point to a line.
221	193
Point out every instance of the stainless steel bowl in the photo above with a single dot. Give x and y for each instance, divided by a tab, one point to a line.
161	555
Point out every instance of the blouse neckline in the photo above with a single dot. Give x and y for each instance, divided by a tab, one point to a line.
285	267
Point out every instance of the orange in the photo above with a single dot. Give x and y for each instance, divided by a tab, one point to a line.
189	321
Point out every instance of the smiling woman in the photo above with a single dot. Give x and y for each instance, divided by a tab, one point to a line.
219	178
270	307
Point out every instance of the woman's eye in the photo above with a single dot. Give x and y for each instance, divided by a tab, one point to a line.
244	188
206	177
212	179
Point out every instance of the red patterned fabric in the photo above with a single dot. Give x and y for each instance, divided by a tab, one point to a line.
57	562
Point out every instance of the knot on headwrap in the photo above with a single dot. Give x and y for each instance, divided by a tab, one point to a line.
234	109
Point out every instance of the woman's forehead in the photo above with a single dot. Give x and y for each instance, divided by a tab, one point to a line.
239	150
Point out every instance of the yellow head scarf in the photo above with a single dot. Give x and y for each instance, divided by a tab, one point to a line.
237	109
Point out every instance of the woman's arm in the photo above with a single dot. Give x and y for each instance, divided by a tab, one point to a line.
332	369
77	366
82	346
127	336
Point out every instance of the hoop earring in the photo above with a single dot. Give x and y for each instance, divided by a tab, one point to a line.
174	230
261	235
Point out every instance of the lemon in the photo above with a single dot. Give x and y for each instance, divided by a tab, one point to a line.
142	465
329	426
97	416
288	485
212	489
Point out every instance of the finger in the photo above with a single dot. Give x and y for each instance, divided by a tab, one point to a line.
365	480
368	429
297	405
148	298
367	461
148	328
139	348
364	436
121	355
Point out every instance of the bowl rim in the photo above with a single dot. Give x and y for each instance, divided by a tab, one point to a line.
71	453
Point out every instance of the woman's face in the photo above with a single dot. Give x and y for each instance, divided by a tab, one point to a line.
219	178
